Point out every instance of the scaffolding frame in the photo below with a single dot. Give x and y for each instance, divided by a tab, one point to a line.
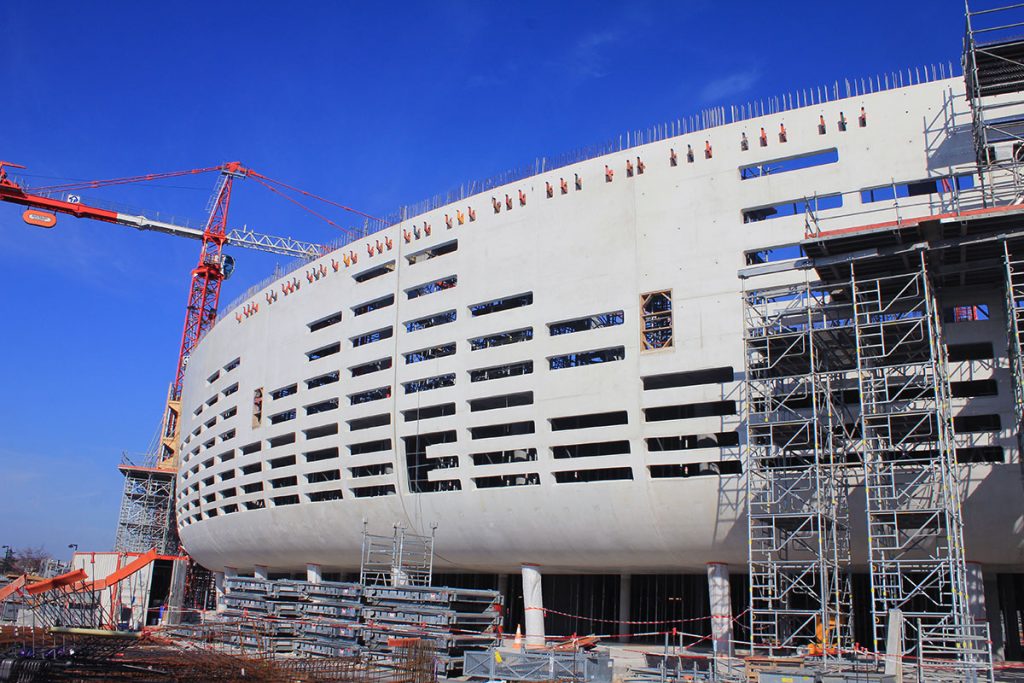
1015	334
797	437
146	518
914	522
993	66
401	559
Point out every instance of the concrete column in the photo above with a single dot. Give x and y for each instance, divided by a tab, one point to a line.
261	572
994	607
176	595
625	604
975	593
218	584
313	573
533	605
721	608
978	593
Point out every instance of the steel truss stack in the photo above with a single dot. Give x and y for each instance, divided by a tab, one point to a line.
146	519
799	354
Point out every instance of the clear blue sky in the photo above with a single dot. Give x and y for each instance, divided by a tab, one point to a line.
371	104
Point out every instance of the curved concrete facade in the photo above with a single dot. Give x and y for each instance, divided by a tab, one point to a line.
493	377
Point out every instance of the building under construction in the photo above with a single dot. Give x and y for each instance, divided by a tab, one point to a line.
758	371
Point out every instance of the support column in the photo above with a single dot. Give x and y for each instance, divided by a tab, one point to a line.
533	605
994	608
261	572
721	608
176	594
625	605
313	573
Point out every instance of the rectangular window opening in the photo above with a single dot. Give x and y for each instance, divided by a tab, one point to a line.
688	442
787	164
323	430
375	305
430	321
500	430
506	480
373	491
373	273
582	358
522	398
365	447
371	367
373	470
369	422
917	188
690	378
505	457
583	476
656	320
690	410
377	394
500	371
322	406
371	337
321	380
439	351
503	304
323	351
428	412
321	454
432	287
794	207
323	496
501	339
432	252
327	321
592	322
590	450
698	469
618	417
283	391
429	383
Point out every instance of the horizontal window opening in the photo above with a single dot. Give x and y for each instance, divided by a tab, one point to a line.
253	488
430	321
321	454
786	253
432	287
253	469
787	164
429	383
325	475
252	448
592	322
228	509
377	394
282	440
522	398
966	424
690	410
282	417
432	252
229	434
230	412
374	491
365	447
323	430
284	482
230	390
321	380
976	351
499	371
213	378
505	480
439	351
375	470
501	339
323	351
376	304
284	461
322	496
372	366
795	207
505	457
977	454
503	304
428	412
322	406
283	391
575	360
373	273
232	365
332	319
590	450
691	441
371	337
691	378
255	505
965	314
917	188
607	474
286	500
618	417
227	474
972	388
700	469
495	431
369	422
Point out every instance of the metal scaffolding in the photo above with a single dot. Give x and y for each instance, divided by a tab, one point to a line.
146	519
915	530
1015	335
402	559
799	354
993	64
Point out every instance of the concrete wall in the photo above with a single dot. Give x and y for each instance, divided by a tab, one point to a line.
589	251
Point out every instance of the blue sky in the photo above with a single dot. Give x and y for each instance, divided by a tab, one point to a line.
371	104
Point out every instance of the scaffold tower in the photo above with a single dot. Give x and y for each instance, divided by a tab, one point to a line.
146	519
799	355
1015	333
915	529
401	559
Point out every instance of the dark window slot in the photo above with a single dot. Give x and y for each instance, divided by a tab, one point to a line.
795	207
503	304
501	339
787	164
430	321
322	496
976	351
980	454
690	410
607	474
433	252
374	305
282	440
329	378
582	358
973	388
428	412
284	461
323	351
373	273
522	398
592	322
374	491
326	475
429	383
506	480
495	431
369	422
374	470
332	319
365	447
323	430
432	287
428	354
377	394
966	424
322	406
499	371
699	469
283	391
505	457
690	378
619	417
284	482
691	441
372	366
371	337
322	454
590	450
282	417
287	500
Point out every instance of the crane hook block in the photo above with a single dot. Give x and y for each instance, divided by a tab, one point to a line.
38	218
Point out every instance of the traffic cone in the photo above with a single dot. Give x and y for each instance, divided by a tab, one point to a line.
517	642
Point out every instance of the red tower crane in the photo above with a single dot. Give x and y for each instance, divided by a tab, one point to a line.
213	268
